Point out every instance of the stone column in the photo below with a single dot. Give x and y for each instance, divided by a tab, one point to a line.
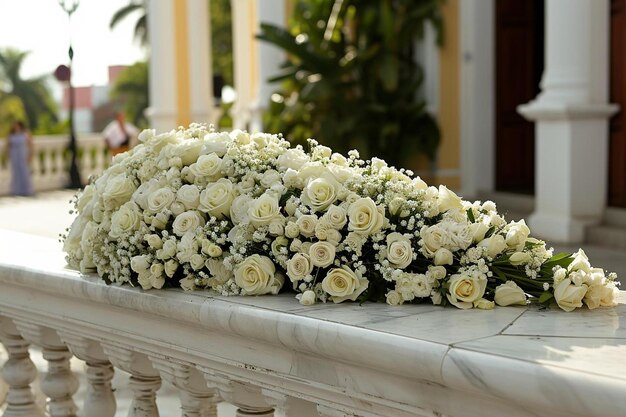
180	74
571	121
254	61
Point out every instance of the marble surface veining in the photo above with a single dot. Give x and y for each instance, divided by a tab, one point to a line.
574	361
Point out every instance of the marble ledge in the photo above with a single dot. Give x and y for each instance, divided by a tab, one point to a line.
564	362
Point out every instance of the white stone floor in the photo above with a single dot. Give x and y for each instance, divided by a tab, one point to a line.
47	214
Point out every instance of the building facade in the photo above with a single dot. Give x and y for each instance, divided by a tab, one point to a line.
527	95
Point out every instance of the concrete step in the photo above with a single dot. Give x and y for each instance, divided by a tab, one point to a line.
607	235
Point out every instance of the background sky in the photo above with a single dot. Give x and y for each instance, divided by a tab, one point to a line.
41	26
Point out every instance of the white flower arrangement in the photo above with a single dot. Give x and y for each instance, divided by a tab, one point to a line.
243	214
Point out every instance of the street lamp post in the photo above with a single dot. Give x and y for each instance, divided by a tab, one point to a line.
70	6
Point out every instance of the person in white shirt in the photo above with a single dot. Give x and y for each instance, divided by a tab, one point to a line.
119	134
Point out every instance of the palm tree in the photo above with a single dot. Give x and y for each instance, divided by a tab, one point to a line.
33	93
141	25
131	88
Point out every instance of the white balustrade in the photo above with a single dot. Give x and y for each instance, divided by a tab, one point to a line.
50	163
271	356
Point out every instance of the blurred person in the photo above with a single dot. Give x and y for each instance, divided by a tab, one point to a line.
20	150
119	134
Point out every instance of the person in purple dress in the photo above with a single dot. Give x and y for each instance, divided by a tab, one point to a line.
20	150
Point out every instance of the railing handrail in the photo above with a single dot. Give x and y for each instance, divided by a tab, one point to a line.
317	353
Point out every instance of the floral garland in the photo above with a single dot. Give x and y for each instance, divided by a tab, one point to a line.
244	214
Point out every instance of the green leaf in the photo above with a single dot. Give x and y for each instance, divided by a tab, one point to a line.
389	72
490	232
470	215
545	297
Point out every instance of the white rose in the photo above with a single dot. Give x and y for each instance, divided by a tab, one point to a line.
217	143
117	191
322	254
321	152
158	142
307	224
336	217
344	284
333	236
218	271
154	241
187	221
396	205
292	230
320	193
465	289
196	261
85	198
160	199
478	231
519	258
341	173
516	234
125	220
307	298
399	251
494	244
156	276
433	238
568	296
189	196
188	150
139	264
291	179
443	257
448	200
488	206
263	210
602	296
278	245
177	208
277	226
239	209
168	250
216	198
256	275
211	249
207	166
580	262
292	159
365	217
170	267
239	136
260	139
394	298
299	266
484	304
437	272
509	294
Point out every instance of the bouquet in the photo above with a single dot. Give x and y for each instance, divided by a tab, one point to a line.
247	214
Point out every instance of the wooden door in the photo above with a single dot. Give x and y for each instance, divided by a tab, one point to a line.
617	126
519	64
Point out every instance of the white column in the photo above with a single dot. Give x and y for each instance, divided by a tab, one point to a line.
269	58
571	121
162	71
200	61
180	75
254	61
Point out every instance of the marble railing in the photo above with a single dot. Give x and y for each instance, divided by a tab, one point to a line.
49	166
270	354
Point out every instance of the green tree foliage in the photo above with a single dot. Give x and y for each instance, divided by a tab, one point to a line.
33	93
131	88
351	79
138	9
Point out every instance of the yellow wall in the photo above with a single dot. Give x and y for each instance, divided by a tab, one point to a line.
449	96
183	98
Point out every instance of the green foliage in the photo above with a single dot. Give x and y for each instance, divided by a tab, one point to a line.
131	88
222	39
141	25
36	100
11	108
351	80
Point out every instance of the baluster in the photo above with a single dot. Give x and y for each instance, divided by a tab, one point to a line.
99	401
59	383
248	399
144	379
197	399
19	372
290	406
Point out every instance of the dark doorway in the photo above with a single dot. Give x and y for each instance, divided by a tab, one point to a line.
519	65
617	126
